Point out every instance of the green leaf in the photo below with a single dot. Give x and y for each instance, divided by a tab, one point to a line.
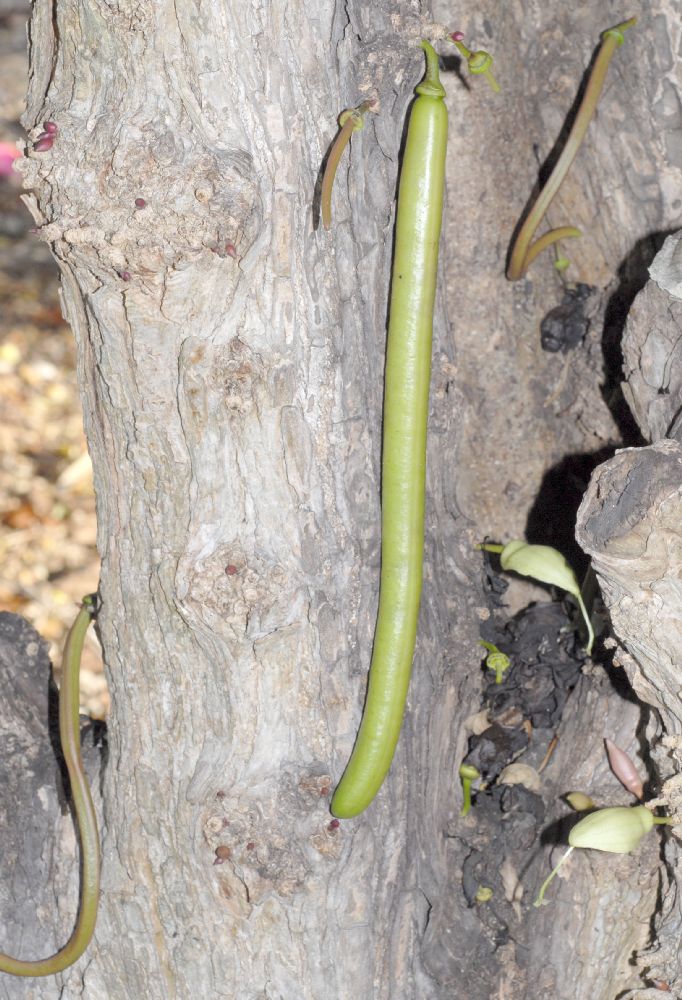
549	566
541	562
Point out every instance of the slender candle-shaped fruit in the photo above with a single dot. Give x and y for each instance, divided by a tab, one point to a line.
406	403
86	819
523	252
352	120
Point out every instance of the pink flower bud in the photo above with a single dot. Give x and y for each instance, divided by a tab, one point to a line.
43	143
457	36
140	203
624	769
50	127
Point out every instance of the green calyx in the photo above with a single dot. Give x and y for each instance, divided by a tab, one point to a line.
356	115
496	660
617	31
430	85
478	62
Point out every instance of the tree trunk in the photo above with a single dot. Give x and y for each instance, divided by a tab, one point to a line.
231	361
629	523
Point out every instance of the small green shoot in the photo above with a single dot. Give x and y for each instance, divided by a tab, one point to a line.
496	660
467	773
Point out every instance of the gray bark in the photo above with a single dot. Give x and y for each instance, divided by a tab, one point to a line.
652	348
232	405
629	523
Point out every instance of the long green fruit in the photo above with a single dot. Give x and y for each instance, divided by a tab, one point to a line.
69	734
406	403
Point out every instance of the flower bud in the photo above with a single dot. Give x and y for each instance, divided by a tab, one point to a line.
617	829
624	769
579	801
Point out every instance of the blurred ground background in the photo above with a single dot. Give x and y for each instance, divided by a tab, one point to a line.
48	558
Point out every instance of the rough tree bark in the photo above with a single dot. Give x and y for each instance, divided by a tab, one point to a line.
231	360
629	523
